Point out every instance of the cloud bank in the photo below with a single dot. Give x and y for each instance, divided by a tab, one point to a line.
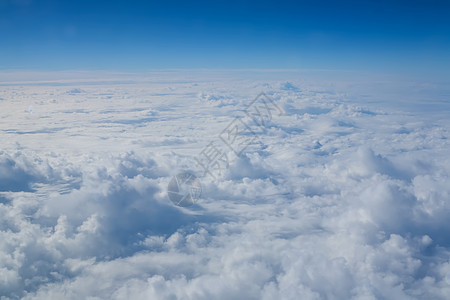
338	198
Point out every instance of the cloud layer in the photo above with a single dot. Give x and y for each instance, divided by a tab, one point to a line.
337	199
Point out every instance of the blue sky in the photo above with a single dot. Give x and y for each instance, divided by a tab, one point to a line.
399	36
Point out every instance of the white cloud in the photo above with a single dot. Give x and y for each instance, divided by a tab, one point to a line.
336	200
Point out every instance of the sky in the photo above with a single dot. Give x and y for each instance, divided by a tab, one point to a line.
389	36
342	195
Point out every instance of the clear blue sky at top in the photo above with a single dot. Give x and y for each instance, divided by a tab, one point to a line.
138	35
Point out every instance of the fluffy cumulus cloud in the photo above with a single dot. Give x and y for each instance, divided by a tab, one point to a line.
337	198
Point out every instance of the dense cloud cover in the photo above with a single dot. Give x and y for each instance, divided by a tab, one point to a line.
337	198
